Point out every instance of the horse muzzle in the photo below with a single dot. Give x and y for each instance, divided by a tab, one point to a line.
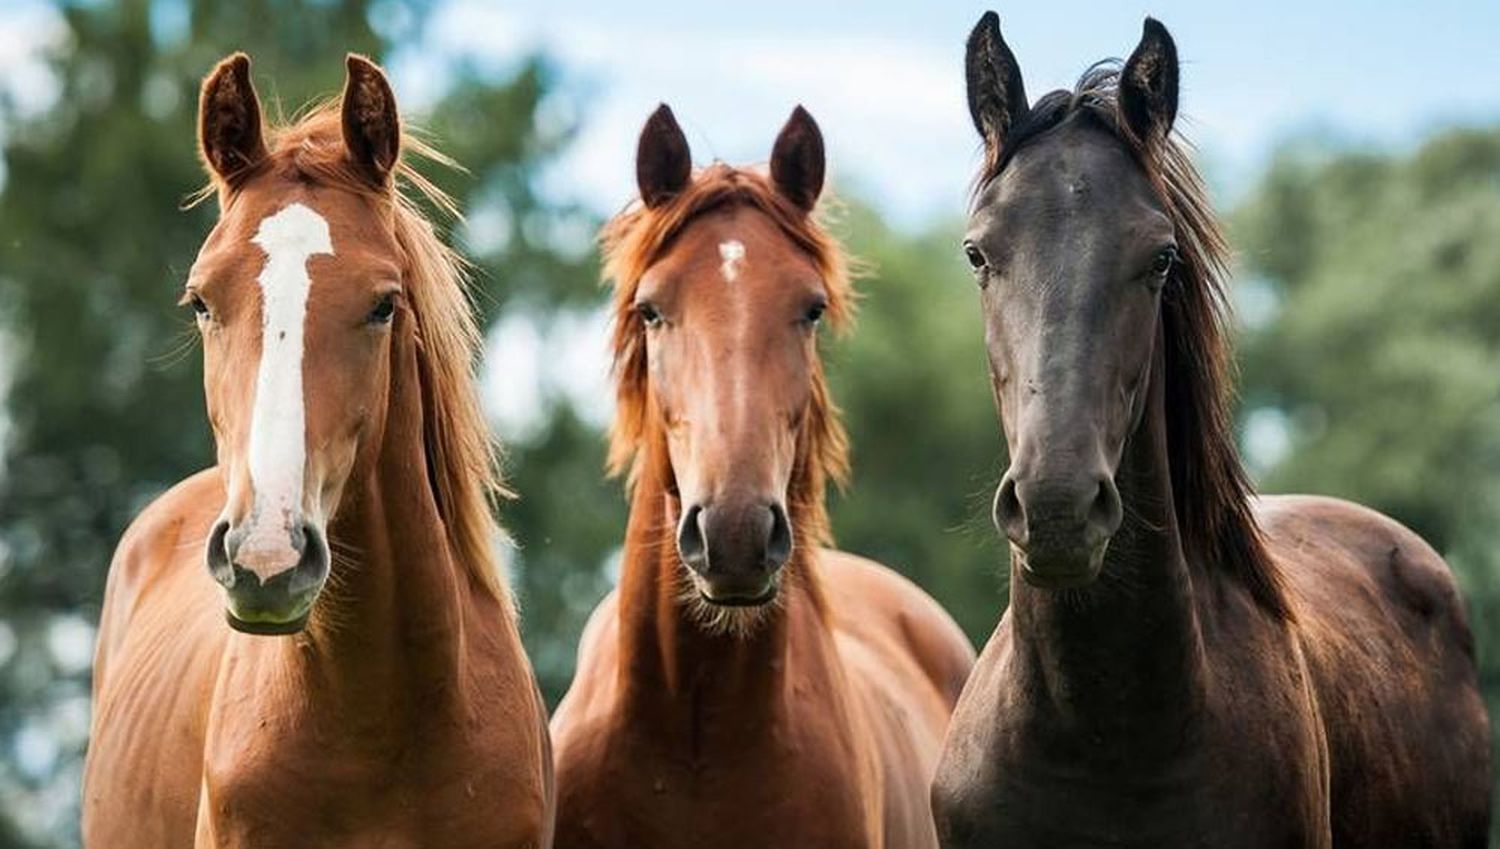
268	590
735	553
1063	567
1059	528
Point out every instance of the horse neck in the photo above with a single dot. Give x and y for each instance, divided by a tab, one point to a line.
395	614
670	664
1129	645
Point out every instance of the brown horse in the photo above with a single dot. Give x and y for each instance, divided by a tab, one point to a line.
743	686
397	709
1181	664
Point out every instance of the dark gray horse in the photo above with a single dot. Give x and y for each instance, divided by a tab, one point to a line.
1182	664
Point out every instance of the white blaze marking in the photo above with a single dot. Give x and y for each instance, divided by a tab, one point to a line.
733	253
278	424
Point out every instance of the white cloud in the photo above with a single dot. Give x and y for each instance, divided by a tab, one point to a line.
511	378
530	364
891	110
27	33
482	31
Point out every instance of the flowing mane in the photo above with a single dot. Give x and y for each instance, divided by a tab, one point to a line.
637	238
462	457
1210	487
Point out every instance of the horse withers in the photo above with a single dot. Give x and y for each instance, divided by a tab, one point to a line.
309	644
1182	664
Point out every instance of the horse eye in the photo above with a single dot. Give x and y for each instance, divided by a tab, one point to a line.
976	258
648	313
1163	262
199	308
815	312
384	310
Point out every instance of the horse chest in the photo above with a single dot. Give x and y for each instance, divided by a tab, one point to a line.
1007	784
661	790
297	790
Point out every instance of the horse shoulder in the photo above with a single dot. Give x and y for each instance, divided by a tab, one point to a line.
877	605
1338	551
159	639
580	718
907	660
163	539
599	784
1384	629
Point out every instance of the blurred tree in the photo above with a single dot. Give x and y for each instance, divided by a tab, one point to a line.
1384	346
103	408
914	387
1372	364
536	264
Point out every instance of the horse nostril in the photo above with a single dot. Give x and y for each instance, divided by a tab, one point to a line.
1106	511
300	536
779	541
690	539
313	566
1010	517
218	554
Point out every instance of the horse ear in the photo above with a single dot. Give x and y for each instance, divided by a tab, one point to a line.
372	127
229	123
663	163
797	160
1148	85
997	97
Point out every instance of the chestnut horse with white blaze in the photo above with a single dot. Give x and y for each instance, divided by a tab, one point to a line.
309	644
743	686
1182	664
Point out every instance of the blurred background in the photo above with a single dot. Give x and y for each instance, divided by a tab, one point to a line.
1353	147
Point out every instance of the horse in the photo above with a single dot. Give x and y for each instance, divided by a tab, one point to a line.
308	644
744	685
1183	663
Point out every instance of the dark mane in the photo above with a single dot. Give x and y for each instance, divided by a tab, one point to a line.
637	238
1210	487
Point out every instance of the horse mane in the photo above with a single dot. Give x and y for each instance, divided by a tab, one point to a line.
639	236
1210	486
463	467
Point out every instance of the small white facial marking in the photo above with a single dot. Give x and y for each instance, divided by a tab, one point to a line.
278	423
733	254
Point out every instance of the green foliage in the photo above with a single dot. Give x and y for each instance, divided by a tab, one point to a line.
1385	348
534	259
569	522
1382	351
913	384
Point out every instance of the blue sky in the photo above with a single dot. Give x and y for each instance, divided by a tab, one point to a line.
885	78
885	81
